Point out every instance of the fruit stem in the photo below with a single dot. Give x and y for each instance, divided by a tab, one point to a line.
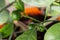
32	18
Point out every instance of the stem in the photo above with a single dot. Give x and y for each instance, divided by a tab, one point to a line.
0	36
53	18
10	37
45	15
31	18
45	19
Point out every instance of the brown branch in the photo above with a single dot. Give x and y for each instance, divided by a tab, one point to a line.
21	25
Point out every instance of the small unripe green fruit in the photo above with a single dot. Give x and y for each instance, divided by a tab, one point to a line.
16	15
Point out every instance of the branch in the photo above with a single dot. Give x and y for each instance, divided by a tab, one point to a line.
7	6
53	18
21	25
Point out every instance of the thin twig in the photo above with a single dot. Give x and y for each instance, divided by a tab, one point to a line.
0	36
45	19
32	18
7	6
53	18
11	36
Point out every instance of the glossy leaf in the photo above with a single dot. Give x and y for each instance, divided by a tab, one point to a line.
4	15
39	3
19	5
53	33
7	30
28	35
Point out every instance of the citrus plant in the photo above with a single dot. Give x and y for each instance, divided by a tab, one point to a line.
7	19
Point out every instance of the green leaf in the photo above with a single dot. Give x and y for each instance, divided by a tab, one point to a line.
19	5
4	15
39	3
54	13
53	33
7	30
2	4
28	35
55	10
